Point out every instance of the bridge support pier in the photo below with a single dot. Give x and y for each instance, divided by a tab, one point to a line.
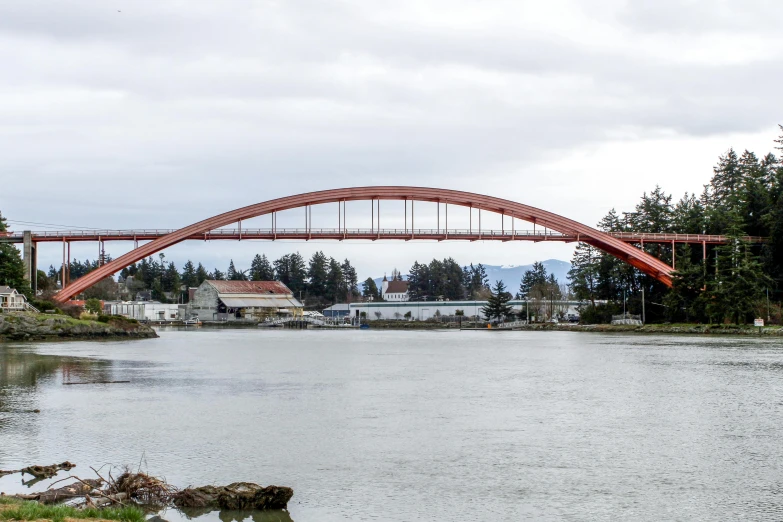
30	255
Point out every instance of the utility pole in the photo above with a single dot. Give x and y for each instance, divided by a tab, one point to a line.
767	305
643	318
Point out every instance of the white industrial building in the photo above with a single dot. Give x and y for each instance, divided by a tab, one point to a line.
146	310
424	310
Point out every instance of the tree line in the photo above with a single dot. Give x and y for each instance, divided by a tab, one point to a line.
320	280
732	282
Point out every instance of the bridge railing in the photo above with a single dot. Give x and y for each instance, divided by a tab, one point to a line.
249	233
689	238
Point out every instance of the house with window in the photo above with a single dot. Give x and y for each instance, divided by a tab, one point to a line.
11	300
243	301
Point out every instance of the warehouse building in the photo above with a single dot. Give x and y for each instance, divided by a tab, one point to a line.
242	301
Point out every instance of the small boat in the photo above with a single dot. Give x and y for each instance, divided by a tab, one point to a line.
365	326
193	321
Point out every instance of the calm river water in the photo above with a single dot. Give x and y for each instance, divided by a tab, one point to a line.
403	426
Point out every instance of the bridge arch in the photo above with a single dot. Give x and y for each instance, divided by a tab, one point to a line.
619	249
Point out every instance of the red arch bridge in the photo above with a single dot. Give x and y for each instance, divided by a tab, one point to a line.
546	226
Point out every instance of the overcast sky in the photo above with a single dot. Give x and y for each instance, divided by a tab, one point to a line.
156	114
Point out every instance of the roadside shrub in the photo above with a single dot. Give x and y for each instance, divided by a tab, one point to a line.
45	304
598	314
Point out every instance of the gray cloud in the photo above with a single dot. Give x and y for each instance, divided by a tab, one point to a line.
171	111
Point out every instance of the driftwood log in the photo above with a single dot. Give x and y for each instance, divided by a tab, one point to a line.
75	490
143	489
236	496
40	472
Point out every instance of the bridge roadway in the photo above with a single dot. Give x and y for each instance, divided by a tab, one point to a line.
238	234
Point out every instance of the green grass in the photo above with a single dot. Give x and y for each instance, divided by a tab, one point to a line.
36	511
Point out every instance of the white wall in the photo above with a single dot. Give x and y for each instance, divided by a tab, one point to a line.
423	310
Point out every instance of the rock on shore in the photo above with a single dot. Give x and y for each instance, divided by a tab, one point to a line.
41	327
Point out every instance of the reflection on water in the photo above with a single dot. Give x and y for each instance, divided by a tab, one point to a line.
400	426
232	516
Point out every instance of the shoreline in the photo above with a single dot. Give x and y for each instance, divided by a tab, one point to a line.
27	326
676	328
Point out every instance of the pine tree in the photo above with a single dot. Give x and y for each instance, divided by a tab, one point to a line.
583	274
189	276
336	289
370	290
351	280
232	274
201	274
497	305
261	269
535	276
318	273
12	266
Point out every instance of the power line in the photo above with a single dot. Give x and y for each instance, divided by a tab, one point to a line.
50	224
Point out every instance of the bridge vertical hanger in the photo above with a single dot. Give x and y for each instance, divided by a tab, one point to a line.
412	224
274	225
447	220
240	229
512	227
470	219
378	207
673	256
372	215
438	216
406	216
479	213
345	225
62	277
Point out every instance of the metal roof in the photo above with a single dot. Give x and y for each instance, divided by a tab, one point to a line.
260	302
250	287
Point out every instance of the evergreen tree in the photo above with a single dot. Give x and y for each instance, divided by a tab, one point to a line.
12	266
171	280
351	280
535	276
336	288
318	273
497	305
370	290
189	276
418	282
217	275
583	274
297	275
201	274
261	269
233	274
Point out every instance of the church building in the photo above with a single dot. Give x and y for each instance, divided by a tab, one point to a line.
394	290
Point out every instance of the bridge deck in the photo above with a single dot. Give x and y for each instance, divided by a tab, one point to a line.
268	234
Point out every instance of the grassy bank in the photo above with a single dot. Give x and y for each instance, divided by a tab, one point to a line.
677	328
680	328
28	326
15	509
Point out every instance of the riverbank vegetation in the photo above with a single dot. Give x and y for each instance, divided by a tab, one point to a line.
27	326
734	282
15	509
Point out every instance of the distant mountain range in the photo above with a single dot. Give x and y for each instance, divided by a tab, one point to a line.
512	275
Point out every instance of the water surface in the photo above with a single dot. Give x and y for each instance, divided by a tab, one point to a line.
401	426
